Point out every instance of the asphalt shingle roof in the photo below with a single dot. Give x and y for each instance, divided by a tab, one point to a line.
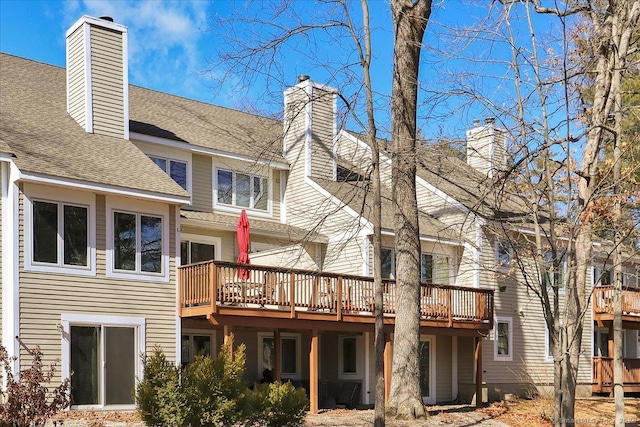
45	140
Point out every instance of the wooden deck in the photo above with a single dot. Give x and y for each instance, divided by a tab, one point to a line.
603	306
603	375
212	289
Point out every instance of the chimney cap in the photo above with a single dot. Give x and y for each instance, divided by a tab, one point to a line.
476	123
106	18
302	78
490	120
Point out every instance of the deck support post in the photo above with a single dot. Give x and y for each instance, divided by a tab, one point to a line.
277	368
387	367
478	363
313	373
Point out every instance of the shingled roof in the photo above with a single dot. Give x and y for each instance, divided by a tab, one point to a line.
46	141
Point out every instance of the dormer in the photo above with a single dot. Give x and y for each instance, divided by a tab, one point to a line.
97	76
486	150
310	128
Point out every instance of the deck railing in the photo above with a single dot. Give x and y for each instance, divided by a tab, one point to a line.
217	283
603	300
603	373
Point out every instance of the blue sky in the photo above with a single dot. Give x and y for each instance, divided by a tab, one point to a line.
172	44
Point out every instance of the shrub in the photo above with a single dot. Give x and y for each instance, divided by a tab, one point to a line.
211	393
28	400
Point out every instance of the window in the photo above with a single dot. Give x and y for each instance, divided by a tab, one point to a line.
554	276
137	242
388	261
195	343
503	339
103	354
602	277
348	356
176	169
504	254
60	234
242	190
192	252
289	354
548	345
434	269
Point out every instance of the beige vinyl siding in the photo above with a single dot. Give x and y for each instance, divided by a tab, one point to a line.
44	297
107	81
202	183
294	126
76	71
322	135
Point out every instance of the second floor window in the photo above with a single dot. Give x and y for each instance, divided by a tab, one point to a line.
434	269
60	234
137	242
242	190
176	169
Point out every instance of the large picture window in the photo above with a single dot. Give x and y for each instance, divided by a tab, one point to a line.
60	234
137	242
242	190
176	169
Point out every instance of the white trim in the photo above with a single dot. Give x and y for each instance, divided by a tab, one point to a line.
102	188
334	137
283	197
204	150
357	375
288	335
88	86
425	238
233	208
366	256
10	263
95	21
496	356
177	260
61	197
68	320
138	208
454	368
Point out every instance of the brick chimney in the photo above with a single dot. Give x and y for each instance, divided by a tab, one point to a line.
486	147
97	76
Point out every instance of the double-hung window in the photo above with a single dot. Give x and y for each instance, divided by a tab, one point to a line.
242	190
60	234
503	339
137	242
176	169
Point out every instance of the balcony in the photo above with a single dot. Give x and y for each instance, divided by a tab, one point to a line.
603	375
213	289
603	305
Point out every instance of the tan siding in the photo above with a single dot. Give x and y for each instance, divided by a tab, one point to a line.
443	368
202	183
107	82
76	69
44	297
322	120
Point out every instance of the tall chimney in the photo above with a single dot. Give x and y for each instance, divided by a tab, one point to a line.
486	147
97	76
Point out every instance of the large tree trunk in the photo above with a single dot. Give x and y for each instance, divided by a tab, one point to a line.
410	21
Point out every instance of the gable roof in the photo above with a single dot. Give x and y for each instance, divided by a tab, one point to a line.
47	142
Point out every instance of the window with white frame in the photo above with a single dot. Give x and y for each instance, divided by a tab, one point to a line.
197	248
102	352
554	274
176	169
434	269
137	240
60	234
504	254
503	339
289	354
348	356
196	343
548	345
242	190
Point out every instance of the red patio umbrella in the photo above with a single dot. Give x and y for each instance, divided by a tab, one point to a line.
242	234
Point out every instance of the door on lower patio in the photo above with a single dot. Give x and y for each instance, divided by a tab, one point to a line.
427	369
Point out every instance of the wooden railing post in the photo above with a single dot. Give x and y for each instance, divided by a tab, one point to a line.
339	302
213	286
450	306
292	294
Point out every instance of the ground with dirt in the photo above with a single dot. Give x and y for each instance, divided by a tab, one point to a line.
594	412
